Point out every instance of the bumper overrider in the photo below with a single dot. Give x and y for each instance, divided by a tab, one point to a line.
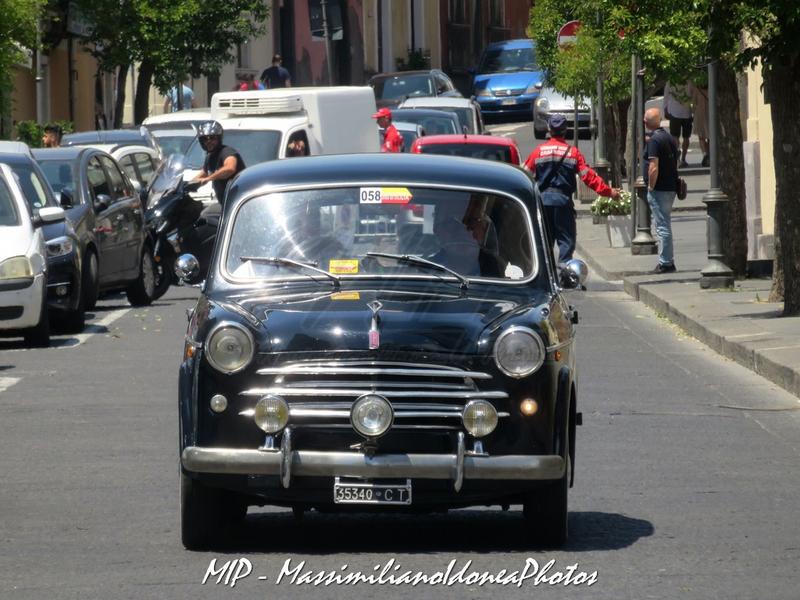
287	462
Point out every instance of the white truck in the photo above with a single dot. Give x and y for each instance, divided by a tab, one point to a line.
268	124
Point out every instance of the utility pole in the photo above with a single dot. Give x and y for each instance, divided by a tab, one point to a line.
41	101
601	164
327	36
716	274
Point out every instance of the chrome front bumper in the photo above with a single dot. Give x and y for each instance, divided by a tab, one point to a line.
287	462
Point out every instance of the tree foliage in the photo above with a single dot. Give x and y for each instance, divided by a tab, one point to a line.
18	25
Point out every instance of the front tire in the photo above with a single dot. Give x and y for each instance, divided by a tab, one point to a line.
90	281
140	292
546	513
39	336
164	276
207	513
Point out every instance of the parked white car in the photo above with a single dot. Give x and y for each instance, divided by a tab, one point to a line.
23	264
468	111
174	132
138	162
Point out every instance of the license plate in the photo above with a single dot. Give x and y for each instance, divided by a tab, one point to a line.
509	101
349	492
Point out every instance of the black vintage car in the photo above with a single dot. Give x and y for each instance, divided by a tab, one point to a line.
422	364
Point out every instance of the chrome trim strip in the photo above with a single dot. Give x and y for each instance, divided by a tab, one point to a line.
459	471
313	463
396	405
421	372
394	426
311	384
279	391
286	457
555	347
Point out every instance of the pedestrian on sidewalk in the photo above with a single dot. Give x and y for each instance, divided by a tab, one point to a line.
171	101
699	93
660	162
679	113
554	165
276	76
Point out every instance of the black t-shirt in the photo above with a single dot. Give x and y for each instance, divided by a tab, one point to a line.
214	160
661	145
275	77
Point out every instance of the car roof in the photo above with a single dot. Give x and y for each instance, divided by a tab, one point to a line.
124	148
493	140
14	158
434	101
423	112
377	168
14	147
63	153
512	44
403	74
188	116
107	136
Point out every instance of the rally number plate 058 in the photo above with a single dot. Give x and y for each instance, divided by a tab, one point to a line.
349	492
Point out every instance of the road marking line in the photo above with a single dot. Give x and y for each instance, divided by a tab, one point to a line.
7	382
91	329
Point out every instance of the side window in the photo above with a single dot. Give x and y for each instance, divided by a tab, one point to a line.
297	144
119	187
98	184
145	165
126	162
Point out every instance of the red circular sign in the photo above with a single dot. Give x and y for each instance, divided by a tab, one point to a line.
568	33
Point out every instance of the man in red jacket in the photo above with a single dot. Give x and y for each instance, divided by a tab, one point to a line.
554	165
392	140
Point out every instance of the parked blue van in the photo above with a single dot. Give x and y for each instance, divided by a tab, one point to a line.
508	79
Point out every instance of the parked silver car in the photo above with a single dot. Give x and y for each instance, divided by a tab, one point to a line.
550	101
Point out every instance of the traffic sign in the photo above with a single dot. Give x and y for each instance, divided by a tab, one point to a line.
568	34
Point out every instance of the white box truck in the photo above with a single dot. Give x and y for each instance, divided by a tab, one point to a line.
266	125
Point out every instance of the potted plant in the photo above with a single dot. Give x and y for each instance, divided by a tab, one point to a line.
617	215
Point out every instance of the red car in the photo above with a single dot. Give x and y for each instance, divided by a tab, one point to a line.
489	147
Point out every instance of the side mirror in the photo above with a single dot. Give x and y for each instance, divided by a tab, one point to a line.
539	85
574	274
49	214
65	199
102	202
187	268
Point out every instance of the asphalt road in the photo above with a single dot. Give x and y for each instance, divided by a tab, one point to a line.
686	485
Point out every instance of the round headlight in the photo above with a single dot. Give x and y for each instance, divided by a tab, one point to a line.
542	104
479	417
518	352
371	415
271	414
229	348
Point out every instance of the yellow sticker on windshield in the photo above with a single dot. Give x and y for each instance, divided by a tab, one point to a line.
385	195
343	266
346	296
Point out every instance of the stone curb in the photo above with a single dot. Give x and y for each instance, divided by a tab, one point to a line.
784	374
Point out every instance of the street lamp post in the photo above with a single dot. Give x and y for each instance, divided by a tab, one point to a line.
327	36
716	273
601	164
642	242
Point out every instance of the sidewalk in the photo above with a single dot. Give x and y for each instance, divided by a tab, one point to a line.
738	324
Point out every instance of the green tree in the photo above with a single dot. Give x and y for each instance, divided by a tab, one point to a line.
19	21
170	39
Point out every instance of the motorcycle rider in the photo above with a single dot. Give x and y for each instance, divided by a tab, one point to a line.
222	162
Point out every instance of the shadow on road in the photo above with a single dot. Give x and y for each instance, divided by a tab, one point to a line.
457	531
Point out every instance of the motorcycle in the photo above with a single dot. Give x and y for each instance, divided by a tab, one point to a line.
175	225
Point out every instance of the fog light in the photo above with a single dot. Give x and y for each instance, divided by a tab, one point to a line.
271	414
528	407
479	417
371	415
218	403
61	290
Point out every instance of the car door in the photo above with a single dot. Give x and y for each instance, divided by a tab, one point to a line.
108	220
128	218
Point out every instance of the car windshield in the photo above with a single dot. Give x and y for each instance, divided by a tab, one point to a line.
474	234
466	116
254	146
486	151
8	209
433	125
32	186
508	60
392	88
60	174
173	142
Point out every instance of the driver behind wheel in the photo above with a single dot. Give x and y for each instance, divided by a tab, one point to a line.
458	248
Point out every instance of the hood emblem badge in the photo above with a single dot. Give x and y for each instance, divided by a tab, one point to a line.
374	334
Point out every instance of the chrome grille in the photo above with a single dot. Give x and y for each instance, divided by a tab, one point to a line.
422	396
506	93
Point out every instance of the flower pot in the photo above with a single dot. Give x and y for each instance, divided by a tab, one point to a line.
599	219
619	231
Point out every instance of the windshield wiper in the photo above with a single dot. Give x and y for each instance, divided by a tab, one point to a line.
416	260
277	260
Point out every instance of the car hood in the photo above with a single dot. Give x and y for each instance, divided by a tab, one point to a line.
506	81
557	102
17	241
420	322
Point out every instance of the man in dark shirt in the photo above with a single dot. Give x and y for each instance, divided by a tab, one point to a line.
661	176
276	76
222	162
